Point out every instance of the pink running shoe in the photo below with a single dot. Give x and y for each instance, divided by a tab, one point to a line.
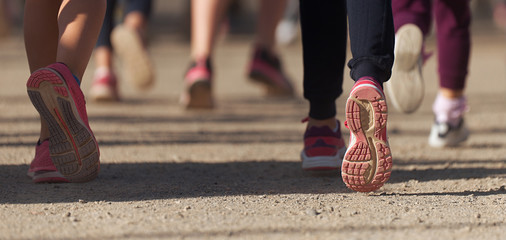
104	87
198	86
324	148
42	169
265	68
60	102
367	164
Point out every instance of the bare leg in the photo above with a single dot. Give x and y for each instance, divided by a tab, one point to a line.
137	20
265	66
64	32
103	57
269	16
79	24
41	32
206	18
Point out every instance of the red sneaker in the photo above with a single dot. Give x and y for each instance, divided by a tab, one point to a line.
265	68
198	86
324	148
42	169
367	164
55	94
104	87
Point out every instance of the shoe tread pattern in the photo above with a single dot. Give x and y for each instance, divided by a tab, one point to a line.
367	164
80	164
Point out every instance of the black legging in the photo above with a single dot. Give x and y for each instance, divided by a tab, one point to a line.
143	6
324	37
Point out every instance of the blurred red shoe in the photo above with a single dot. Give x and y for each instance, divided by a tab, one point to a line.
265	68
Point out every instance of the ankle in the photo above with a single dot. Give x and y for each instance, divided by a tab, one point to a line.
329	122
136	21
451	93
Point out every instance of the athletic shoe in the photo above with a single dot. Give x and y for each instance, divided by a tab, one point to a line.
42	169
129	46
198	86
104	87
367	164
265	68
323	148
448	129
446	135
405	88
56	95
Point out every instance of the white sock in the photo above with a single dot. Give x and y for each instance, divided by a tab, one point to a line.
449	110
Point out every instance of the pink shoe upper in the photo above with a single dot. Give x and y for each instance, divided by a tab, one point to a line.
42	168
269	65
322	141
199	72
108	79
105	79
370	81
42	160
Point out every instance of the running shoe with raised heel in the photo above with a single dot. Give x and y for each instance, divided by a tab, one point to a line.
42	169
405	89
104	87
265	68
73	149
130	48
324	148
367	163
198	86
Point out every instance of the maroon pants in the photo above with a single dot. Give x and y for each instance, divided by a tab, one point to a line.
453	19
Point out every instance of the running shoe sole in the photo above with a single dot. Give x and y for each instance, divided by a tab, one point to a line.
270	89
405	88
73	149
266	77
200	95
367	163
130	49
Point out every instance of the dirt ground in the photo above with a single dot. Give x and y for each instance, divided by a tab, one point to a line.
234	173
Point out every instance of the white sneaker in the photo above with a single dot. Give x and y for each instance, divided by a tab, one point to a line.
445	135
405	88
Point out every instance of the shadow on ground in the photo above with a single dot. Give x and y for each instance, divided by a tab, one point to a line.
146	181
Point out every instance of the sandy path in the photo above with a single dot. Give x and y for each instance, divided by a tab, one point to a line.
235	172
